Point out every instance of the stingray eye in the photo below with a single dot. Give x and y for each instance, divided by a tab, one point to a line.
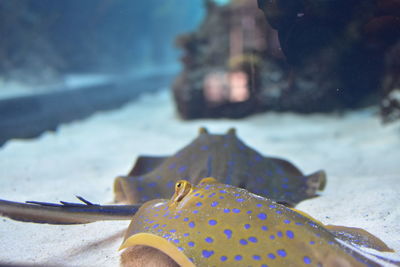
182	188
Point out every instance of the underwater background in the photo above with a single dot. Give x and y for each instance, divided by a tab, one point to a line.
88	86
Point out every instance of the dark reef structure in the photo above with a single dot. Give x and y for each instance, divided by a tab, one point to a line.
390	105
311	56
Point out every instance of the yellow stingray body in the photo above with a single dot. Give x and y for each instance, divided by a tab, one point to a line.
213	224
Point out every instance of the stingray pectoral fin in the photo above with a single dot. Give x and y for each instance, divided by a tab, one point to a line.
125	190
316	181
65	213
145	164
359	237
159	243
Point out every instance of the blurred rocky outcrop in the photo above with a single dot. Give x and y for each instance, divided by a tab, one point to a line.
222	62
318	56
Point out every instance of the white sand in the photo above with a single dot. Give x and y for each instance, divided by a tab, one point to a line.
361	157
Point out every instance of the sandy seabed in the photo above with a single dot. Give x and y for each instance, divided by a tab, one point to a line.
360	155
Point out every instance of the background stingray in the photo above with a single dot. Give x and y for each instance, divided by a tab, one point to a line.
228	159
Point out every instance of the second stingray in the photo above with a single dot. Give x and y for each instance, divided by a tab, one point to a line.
224	156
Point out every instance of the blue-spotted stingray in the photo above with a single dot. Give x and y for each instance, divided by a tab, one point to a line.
214	224
223	156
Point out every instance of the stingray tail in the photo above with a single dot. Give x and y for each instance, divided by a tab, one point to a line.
65	213
364	246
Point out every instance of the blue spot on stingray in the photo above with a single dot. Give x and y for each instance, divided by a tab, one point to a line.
227	210
207	253
262	216
237	195
214	204
221	197
299	223
228	233
285	179
306	260
195	211
172	166
177	216
204	148
182	168
223	258
156	225
290	234
198	204
271	256
312	242
209	240
253	239
152	184
259	205
238	257
243	242
279	234
190	244
285	186
272	206
223	191
256	257
264	228
249	212
211	195
176	241
278	211
172	230
186	219
240	199
192	224
281	252
197	194
235	210
212	222
272	237
186	234
247	226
